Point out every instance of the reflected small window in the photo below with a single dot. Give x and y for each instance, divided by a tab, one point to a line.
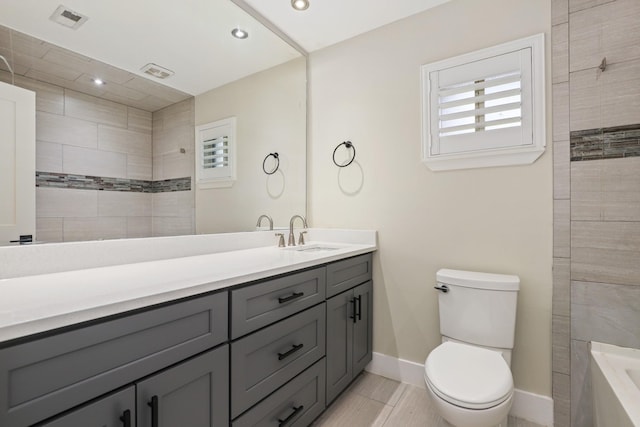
216	154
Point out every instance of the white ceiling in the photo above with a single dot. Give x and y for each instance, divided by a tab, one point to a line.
192	37
327	22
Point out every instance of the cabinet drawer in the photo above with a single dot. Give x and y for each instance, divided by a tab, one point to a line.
41	377
296	404
344	275
267	359
259	305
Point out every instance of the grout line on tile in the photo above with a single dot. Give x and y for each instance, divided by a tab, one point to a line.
397	395
382	418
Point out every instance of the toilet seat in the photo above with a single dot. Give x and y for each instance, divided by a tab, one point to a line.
468	376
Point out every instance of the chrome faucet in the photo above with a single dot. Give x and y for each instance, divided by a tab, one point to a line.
268	218
292	238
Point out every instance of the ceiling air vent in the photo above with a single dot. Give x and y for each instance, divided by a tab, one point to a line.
157	71
67	17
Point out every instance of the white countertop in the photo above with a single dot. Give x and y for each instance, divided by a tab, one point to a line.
34	304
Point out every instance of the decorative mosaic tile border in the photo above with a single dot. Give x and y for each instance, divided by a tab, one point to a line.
168	185
605	143
87	182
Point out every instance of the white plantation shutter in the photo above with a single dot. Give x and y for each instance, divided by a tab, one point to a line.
480	104
491	103
215	154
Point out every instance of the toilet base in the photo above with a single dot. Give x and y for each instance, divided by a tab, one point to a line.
463	417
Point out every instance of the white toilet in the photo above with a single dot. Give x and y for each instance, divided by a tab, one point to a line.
468	376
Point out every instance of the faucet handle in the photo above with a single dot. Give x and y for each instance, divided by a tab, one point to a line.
301	238
280	240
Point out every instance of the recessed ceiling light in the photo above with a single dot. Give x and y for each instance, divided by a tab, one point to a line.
239	33
300	4
98	82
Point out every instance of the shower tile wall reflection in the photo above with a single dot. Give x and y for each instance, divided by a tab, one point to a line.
81	139
110	146
174	157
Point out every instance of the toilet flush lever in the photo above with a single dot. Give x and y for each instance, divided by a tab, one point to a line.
443	288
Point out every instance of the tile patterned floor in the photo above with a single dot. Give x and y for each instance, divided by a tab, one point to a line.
374	401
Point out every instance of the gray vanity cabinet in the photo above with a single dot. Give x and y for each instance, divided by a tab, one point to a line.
349	336
267	353
43	377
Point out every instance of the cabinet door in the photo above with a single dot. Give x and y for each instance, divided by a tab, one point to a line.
363	327
339	343
116	410
194	393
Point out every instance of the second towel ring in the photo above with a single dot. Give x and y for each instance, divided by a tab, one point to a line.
264	162
347	144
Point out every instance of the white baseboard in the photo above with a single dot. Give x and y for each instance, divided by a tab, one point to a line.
401	370
528	406
532	407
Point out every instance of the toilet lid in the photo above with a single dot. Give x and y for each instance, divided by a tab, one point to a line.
468	376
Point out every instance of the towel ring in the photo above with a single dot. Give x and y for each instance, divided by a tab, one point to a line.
264	162
347	144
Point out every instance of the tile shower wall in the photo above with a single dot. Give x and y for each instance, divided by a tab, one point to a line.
83	135
94	163
174	157
596	131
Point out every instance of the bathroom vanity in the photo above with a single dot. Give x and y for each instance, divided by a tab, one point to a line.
272	350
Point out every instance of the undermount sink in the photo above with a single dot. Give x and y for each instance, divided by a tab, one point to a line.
314	247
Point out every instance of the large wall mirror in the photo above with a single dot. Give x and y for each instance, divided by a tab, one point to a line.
118	159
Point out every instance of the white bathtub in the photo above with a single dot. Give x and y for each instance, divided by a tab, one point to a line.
615	372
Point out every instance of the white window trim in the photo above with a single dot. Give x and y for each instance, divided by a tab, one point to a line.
229	178
514	155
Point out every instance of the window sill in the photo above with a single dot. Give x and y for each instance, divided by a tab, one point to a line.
206	185
484	159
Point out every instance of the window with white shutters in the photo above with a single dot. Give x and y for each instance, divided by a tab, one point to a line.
485	108
215	154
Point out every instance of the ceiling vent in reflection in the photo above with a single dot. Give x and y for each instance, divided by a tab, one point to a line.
157	71
67	17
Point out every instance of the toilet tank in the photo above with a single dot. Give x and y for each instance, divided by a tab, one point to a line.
479	308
